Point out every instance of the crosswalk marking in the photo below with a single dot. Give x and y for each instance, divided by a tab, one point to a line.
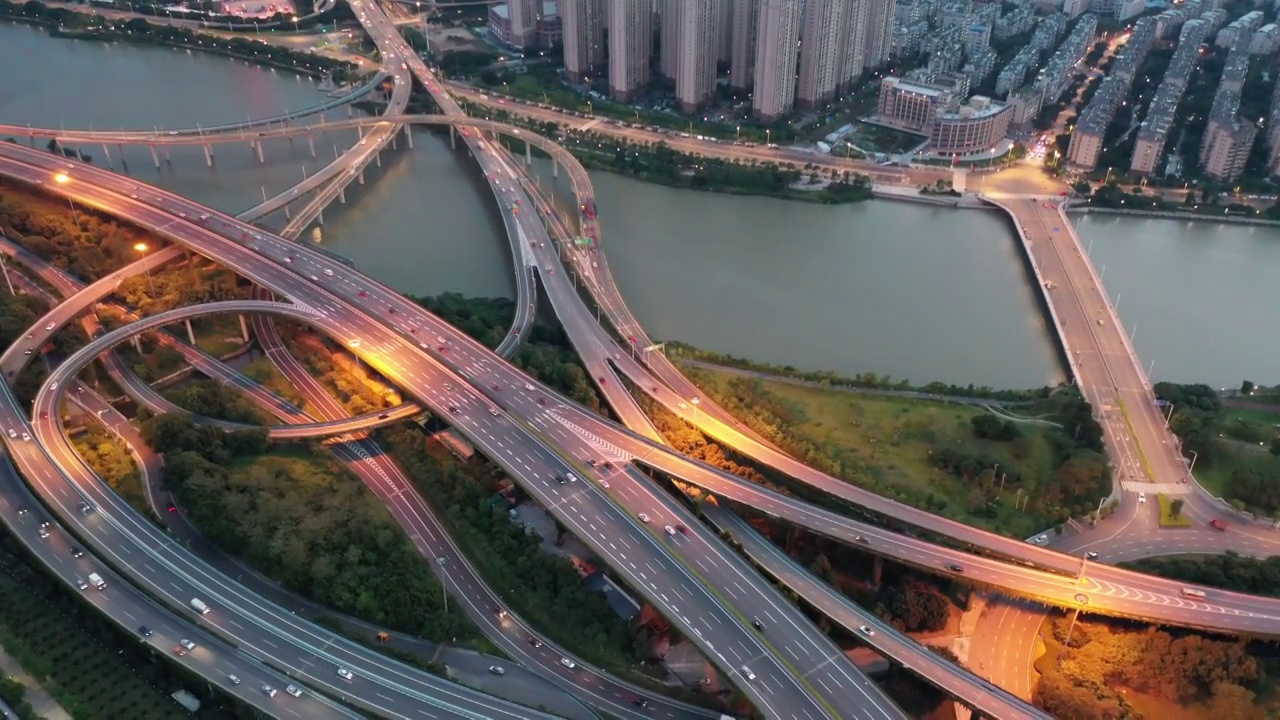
607	449
1158	488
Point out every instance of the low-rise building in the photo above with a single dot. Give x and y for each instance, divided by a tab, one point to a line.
910	105
970	129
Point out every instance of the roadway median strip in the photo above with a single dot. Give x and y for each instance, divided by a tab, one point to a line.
1168	518
1146	464
724	602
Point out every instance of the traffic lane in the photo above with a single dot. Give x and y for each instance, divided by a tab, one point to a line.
1004	645
100	524
520	689
800	632
114	337
131	610
469	591
789	630
68	460
870	629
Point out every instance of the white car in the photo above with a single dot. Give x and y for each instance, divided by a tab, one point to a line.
643	518
345	674
294	690
1142	497
669	530
187	644
233	679
568	663
746	673
866	631
1040	539
328	272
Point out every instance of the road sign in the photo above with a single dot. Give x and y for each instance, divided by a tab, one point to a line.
583	240
655	346
1161	403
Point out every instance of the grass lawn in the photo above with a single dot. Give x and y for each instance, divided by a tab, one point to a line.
885	443
217	334
266	374
883	139
1167	518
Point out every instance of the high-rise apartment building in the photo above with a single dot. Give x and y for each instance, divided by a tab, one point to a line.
524	22
822	59
742	56
583	26
669	38
777	34
630	44
724	31
878	40
853	42
698	44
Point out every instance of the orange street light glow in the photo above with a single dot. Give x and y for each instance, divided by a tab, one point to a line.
140	247
62	178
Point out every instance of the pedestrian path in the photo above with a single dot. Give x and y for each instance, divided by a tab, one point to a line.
37	697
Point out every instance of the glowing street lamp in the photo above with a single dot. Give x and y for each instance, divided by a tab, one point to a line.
62	178
142	249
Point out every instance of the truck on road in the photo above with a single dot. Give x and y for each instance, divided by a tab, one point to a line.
96	580
198	605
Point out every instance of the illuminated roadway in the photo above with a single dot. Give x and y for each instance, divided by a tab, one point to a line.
1073	563
706	410
699	605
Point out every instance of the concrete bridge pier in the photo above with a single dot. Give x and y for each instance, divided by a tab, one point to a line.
154	158
137	343
167	160
408	136
257	150
320	217
106	151
377	158
350	111
322	118
311	144
528	154
555	168
342	196
287	214
453	138
360	131
360	177
393	140
208	155
244	329
191	334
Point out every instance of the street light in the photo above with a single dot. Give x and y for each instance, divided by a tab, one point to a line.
695	402
142	248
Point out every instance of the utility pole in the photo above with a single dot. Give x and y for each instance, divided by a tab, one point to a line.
9	282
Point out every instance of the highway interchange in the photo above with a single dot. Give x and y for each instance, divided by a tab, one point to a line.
575	430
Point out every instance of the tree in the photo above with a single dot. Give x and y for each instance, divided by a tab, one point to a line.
1246	387
1175	507
1231	701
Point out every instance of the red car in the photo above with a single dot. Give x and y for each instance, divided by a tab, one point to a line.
1218	525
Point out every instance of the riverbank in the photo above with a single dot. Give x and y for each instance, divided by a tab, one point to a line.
1223	219
77	25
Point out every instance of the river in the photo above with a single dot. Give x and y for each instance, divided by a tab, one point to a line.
900	289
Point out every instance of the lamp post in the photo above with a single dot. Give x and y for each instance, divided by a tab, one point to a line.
62	179
695	402
5	269
143	249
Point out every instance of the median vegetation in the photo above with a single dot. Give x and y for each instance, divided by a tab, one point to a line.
305	522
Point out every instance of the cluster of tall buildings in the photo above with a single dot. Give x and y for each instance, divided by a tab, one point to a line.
1154	131
784	53
1228	138
1091	128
